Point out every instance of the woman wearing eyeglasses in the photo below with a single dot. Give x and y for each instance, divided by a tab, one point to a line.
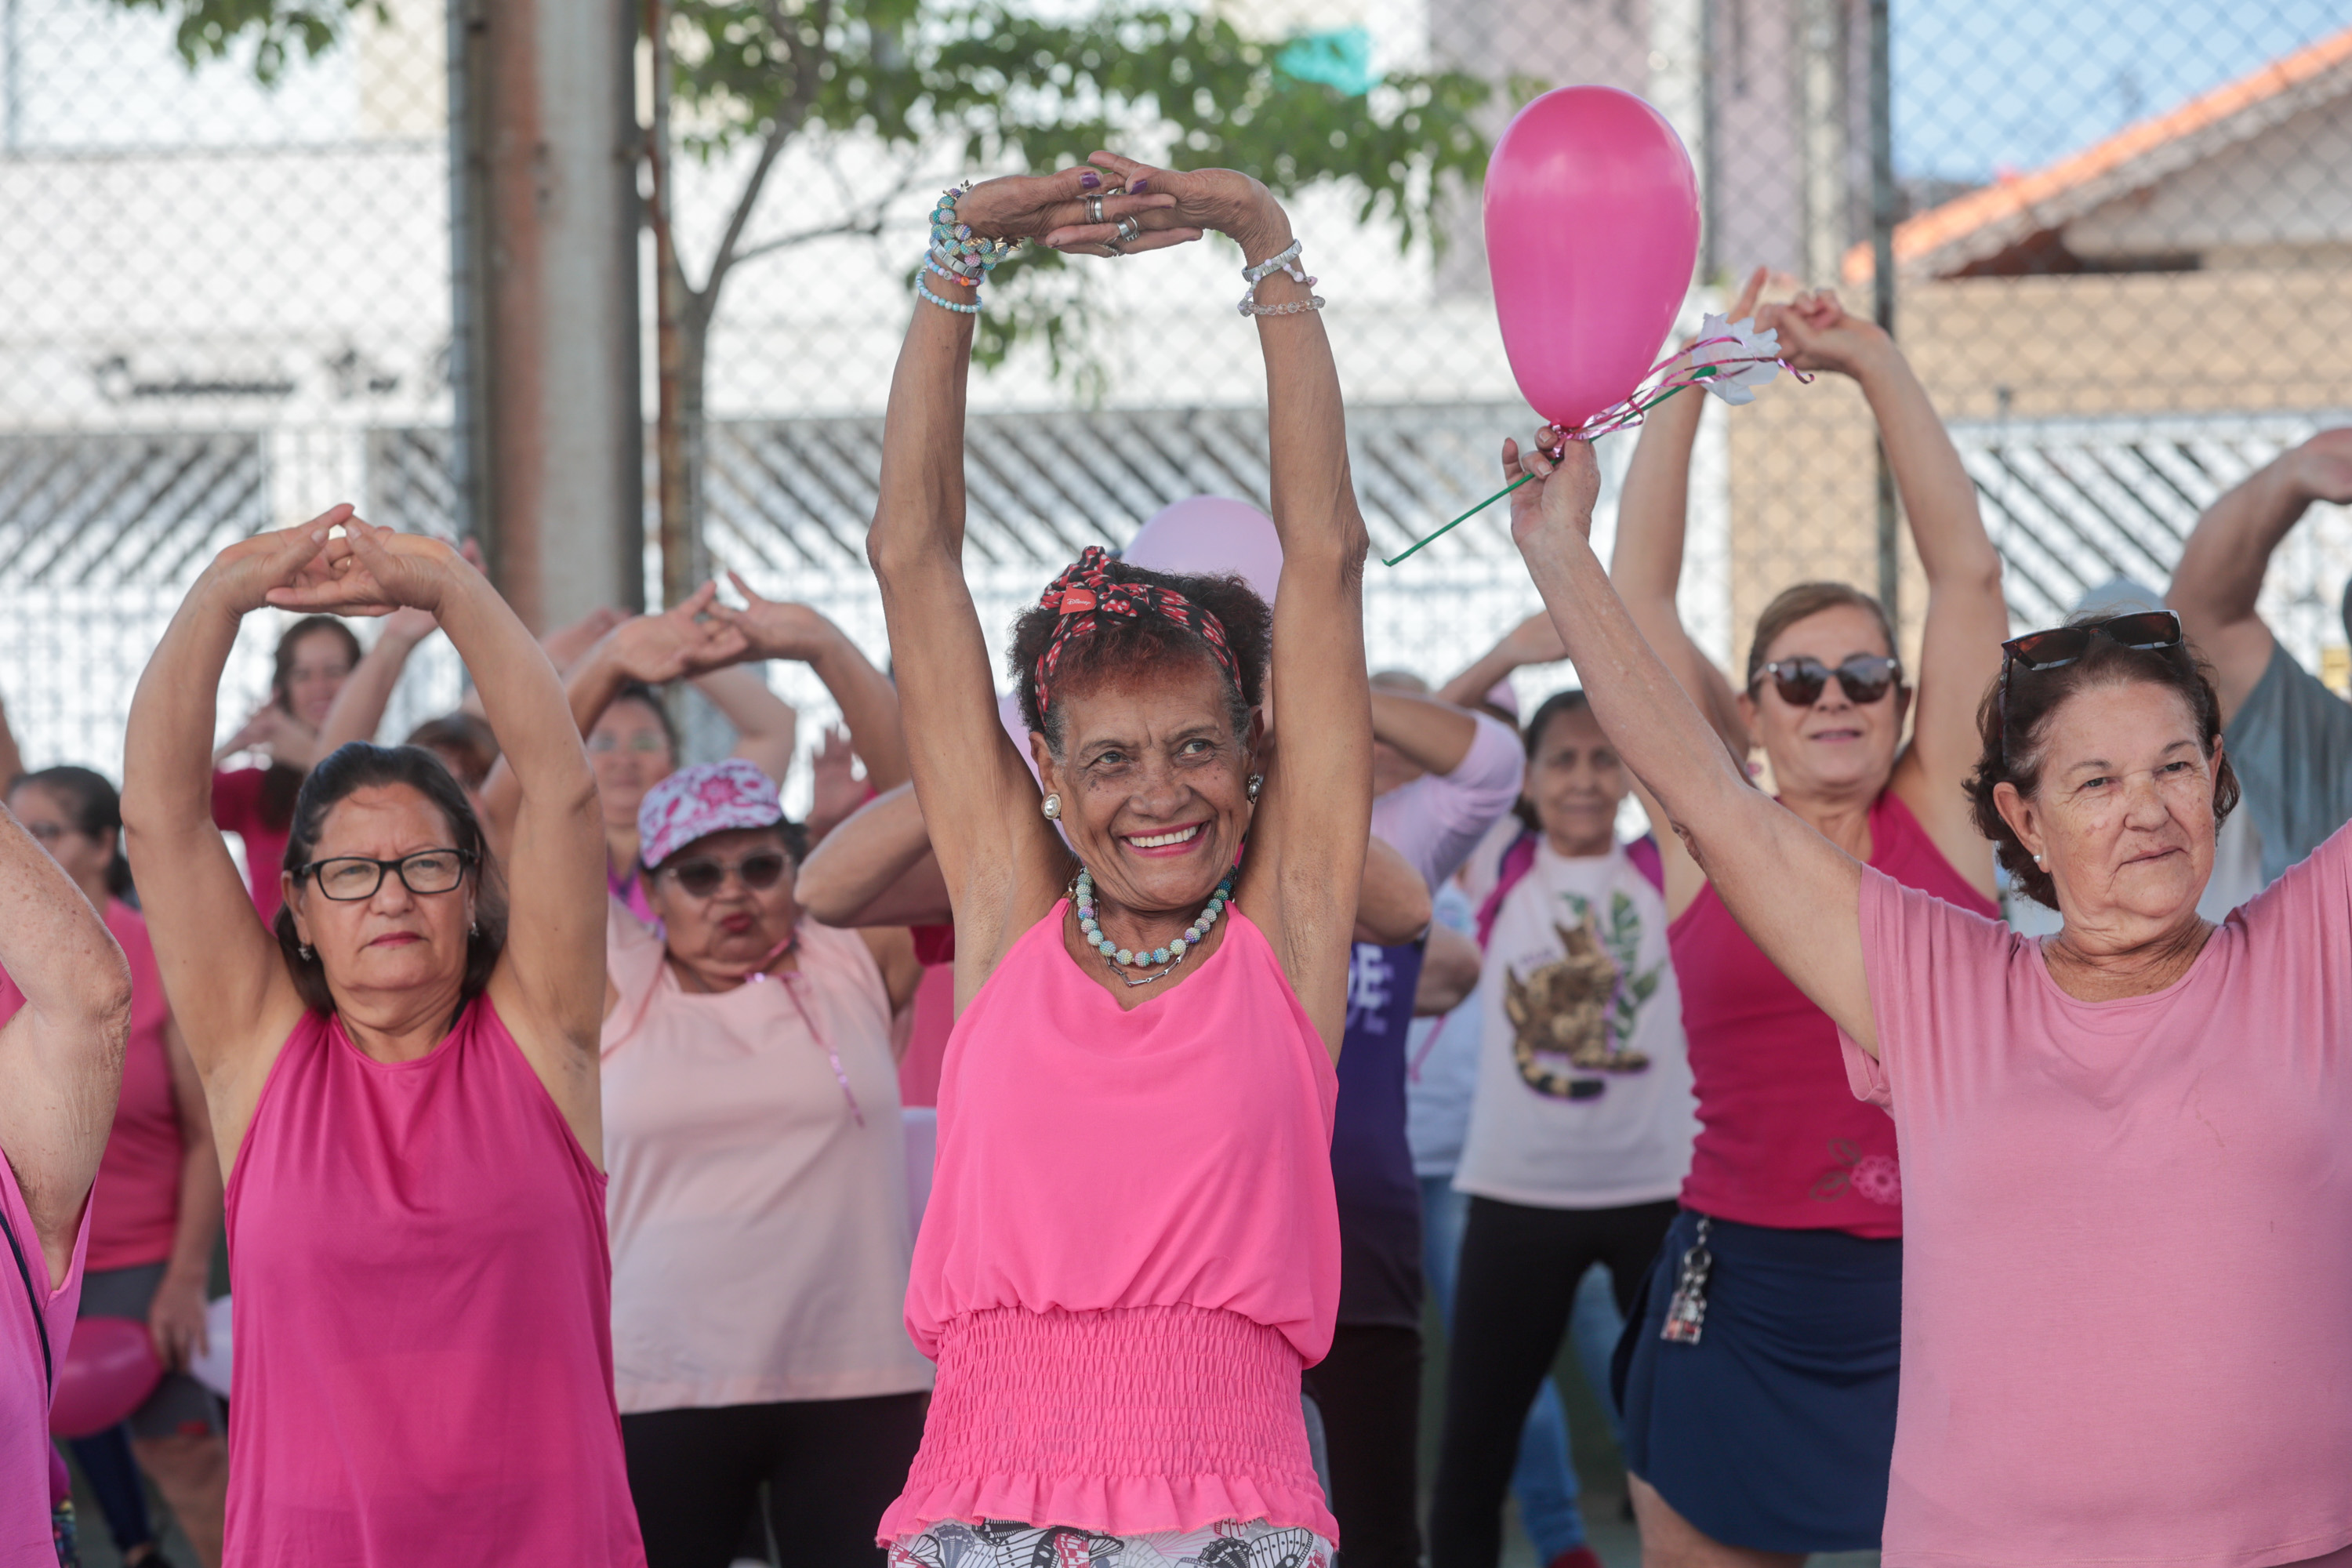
1766	1428
2124	1283
402	1086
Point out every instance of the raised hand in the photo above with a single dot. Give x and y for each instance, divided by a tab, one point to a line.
247	570
774	629
1055	210
268	729
686	639
565	645
1817	332
1225	200
1563	492
373	570
838	789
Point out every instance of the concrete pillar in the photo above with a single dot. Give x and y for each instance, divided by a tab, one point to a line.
545	146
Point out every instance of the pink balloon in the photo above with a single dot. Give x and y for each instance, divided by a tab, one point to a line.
1592	236
109	1370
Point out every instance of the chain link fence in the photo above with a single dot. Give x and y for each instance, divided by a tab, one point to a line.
2118	236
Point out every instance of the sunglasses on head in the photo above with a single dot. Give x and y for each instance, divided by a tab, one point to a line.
702	876
1865	678
2142	630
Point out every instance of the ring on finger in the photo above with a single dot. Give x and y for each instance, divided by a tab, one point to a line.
1128	229
1093	209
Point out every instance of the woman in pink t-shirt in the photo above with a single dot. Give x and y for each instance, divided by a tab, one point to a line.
404	1093
2125	1289
61	1067
156	1209
1770	1431
1131	1249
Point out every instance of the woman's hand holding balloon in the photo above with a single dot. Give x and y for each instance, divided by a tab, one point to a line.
1560	499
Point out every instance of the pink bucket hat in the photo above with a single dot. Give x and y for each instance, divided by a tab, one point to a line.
694	803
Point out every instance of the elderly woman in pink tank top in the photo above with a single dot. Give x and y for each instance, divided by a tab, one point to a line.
403	1085
60	1068
2126	1287
1131	1250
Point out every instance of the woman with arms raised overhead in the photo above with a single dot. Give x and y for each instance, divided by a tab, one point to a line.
1767	1431
2124	1284
403	1081
1131	1249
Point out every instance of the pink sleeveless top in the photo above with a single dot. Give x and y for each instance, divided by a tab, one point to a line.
1131	1251
25	1455
1782	1142
423	1364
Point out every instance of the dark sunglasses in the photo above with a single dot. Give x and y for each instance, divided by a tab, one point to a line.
2060	646
702	876
1865	678
348	879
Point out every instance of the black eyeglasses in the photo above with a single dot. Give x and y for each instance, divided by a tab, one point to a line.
702	876
348	879
1866	677
2142	631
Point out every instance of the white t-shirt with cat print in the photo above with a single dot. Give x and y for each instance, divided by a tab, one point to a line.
1584	1085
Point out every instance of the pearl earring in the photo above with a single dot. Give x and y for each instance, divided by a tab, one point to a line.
1257	783
1052	808
2037	860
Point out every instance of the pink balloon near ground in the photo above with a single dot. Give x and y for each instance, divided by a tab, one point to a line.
109	1370
1592	236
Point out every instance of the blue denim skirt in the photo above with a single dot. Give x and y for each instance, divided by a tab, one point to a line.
1774	1430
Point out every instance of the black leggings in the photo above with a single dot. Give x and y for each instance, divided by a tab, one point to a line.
1517	1287
832	1468
1369	1391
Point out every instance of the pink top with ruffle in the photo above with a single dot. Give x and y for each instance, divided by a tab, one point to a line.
1131	1251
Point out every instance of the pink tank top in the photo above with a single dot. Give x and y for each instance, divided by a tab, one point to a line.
1782	1142
424	1321
25	1454
1131	1250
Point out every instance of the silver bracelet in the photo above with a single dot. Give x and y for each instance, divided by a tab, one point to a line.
1286	261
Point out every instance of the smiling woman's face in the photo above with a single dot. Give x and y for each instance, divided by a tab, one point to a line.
397	940
1835	746
2123	814
1154	785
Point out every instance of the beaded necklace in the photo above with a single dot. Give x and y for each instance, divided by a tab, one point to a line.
1118	957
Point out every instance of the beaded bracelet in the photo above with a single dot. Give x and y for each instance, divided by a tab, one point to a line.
1286	261
957	250
924	289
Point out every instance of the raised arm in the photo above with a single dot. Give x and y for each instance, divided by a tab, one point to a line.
1959	646
359	706
1306	838
1646	565
767	727
678	642
62	1054
230	993
1797	894
1431	732
876	868
549	983
868	702
1002	860
2221	566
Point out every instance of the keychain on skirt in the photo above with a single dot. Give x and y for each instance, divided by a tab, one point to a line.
1687	1312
